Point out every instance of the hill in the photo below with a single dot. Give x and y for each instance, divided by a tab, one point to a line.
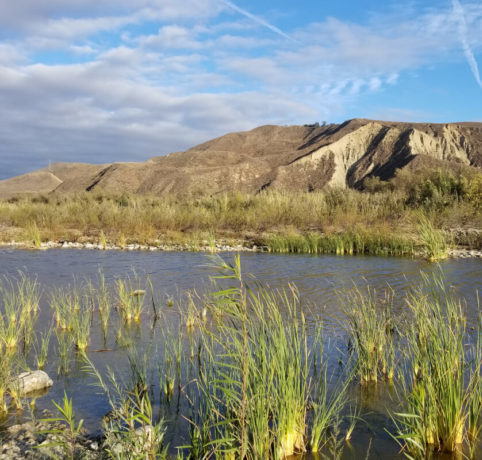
298	158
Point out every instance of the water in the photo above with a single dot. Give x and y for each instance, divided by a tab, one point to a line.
319	279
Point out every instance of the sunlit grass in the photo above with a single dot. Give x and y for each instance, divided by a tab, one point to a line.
442	387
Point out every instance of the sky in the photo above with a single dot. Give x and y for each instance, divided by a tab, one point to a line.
125	80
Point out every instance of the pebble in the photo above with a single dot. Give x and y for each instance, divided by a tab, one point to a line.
204	247
26	441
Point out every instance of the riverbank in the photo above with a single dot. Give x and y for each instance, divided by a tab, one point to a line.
428	214
35	440
271	243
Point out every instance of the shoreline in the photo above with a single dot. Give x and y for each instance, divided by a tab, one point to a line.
457	252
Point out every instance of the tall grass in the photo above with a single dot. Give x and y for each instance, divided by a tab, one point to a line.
351	242
371	330
131	430
442	386
131	298
341	216
255	383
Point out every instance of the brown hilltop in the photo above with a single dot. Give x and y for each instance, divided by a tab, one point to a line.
292	158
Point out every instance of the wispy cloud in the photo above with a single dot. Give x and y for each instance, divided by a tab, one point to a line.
128	79
460	17
257	19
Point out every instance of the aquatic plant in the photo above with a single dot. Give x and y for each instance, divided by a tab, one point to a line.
131	298
442	387
81	327
327	410
42	354
371	331
131	430
103	301
259	360
435	243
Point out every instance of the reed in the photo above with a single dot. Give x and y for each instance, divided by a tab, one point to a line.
442	386
327	410
64	350
81	323
131	298
31	234
131	431
104	303
360	241
42	353
6	372
65	302
435	242
371	331
258	358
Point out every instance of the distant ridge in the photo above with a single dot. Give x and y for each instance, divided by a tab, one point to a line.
296	158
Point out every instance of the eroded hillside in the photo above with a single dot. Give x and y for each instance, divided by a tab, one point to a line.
300	158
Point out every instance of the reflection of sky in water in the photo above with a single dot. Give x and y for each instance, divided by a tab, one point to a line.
320	280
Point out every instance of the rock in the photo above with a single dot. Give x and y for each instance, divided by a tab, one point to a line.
32	381
143	435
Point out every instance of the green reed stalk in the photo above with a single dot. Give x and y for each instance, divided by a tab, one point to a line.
371	330
435	242
42	354
442	390
131	431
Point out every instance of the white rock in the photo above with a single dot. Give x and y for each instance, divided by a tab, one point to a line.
32	381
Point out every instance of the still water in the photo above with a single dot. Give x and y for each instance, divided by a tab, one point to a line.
320	281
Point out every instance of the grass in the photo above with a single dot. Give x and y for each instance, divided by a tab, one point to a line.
442	387
255	387
435	242
406	218
372	242
131	298
371	332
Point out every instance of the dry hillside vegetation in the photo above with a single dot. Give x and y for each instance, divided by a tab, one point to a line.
294	158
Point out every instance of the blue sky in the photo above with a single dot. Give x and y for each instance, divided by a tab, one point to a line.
125	80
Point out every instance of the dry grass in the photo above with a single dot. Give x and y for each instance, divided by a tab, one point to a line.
391	214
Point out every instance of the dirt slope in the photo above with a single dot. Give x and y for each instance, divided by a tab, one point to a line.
291	158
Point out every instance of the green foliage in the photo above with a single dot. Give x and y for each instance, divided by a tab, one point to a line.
371	332
437	189
442	387
374	184
434	242
66	437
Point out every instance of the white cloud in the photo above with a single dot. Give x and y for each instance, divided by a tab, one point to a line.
460	17
194	73
257	19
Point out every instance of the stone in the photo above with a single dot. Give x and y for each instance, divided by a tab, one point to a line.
33	381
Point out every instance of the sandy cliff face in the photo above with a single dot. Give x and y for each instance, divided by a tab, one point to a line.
291	158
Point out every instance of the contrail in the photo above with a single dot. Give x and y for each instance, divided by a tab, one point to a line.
459	15
257	19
